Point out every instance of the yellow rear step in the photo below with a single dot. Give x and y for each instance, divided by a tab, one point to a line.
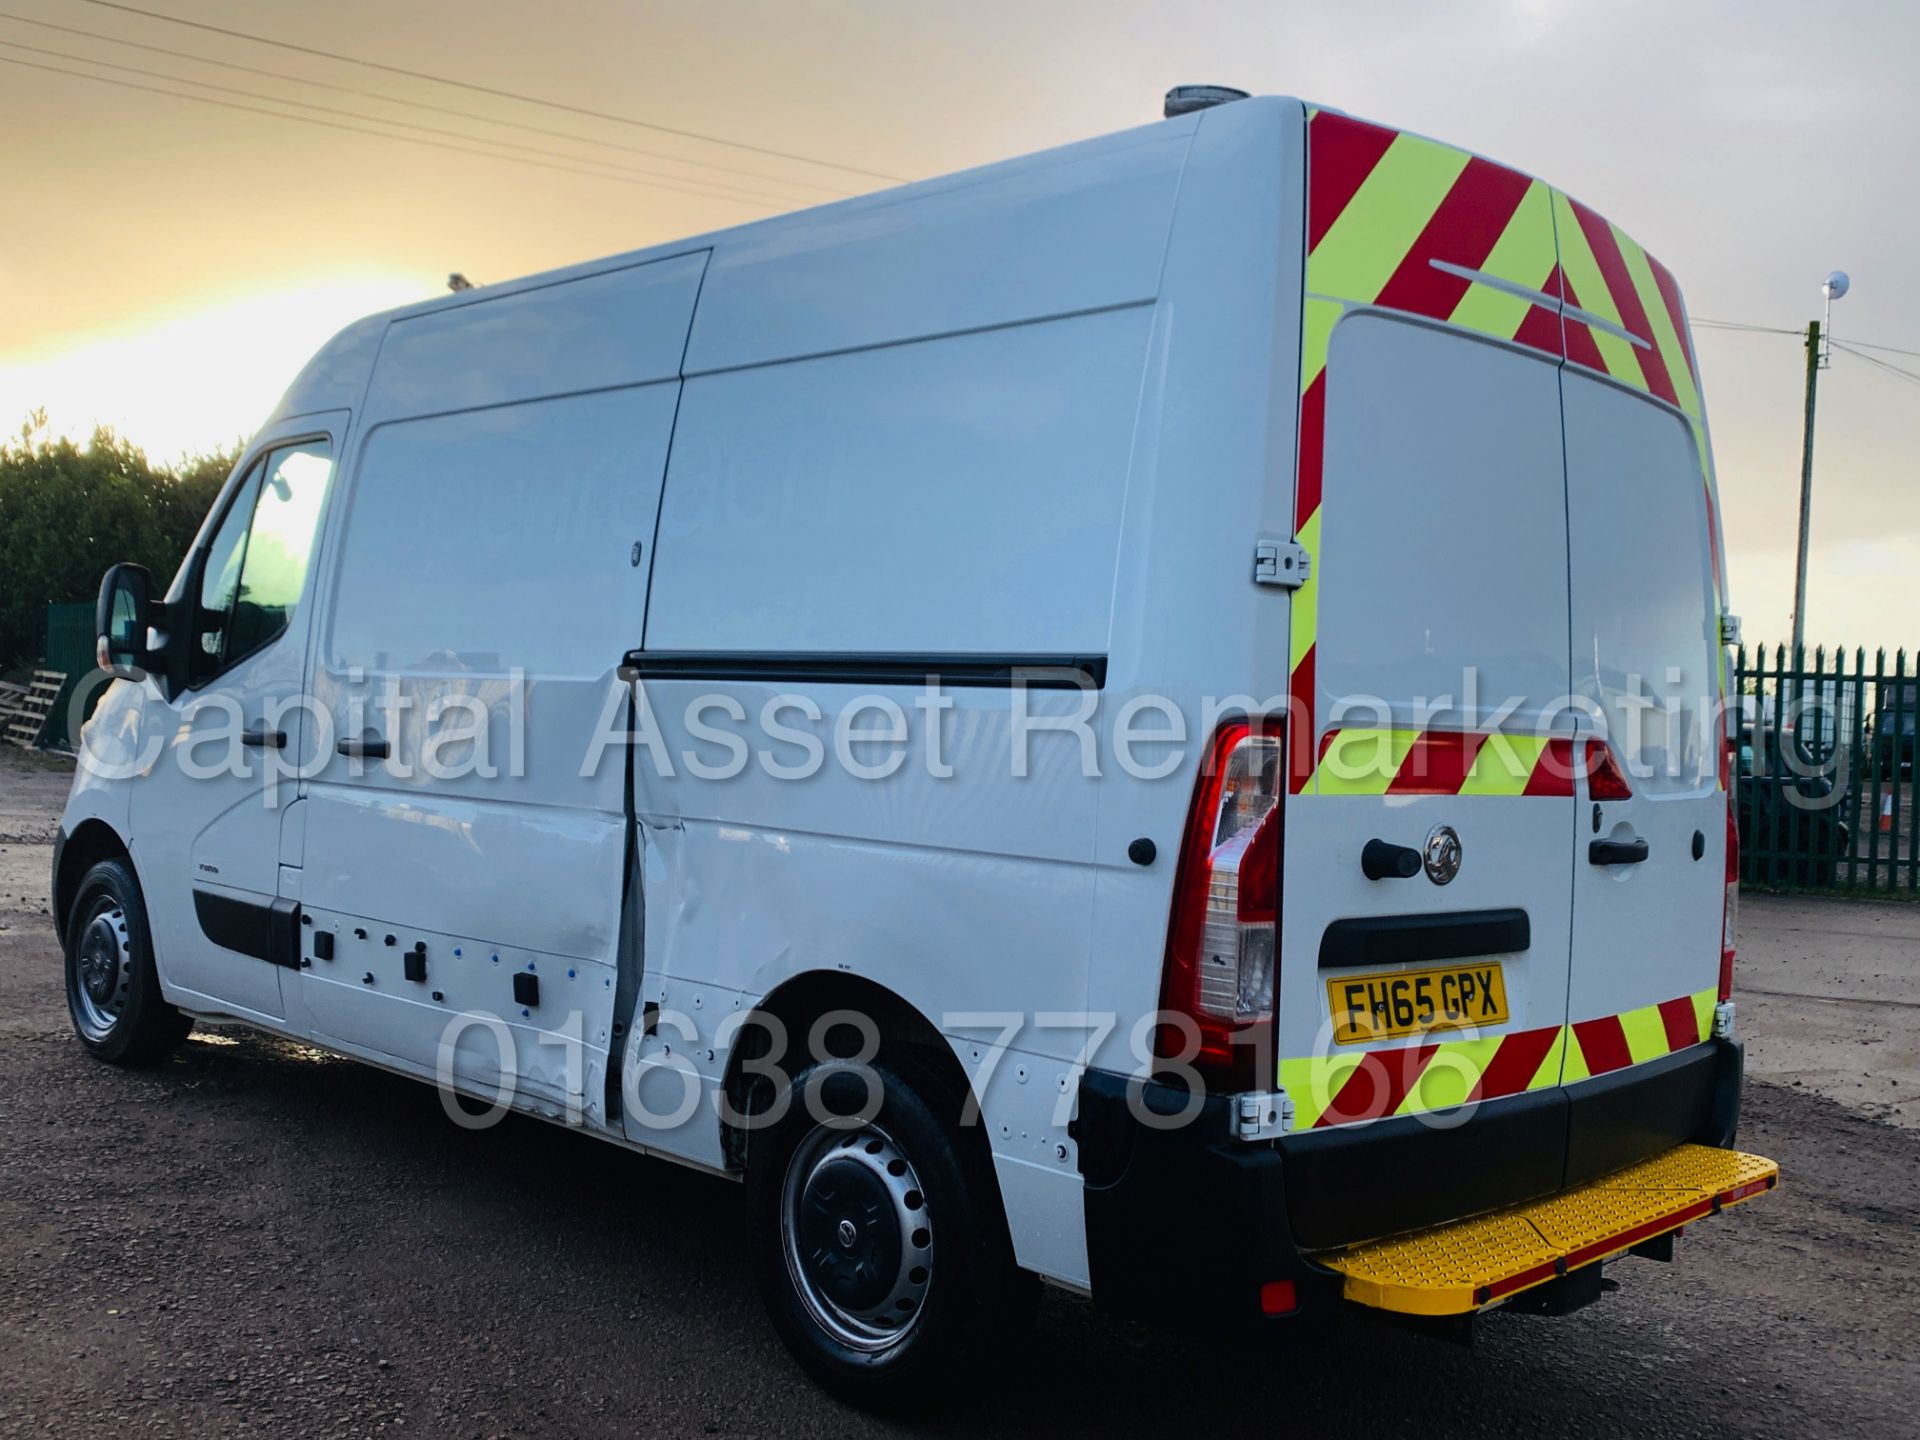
1470	1264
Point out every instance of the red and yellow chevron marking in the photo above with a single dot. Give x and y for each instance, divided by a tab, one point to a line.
1613	1042
1392	221
1403	223
1606	275
1442	762
1345	1089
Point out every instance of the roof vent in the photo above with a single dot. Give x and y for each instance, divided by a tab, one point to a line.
1185	99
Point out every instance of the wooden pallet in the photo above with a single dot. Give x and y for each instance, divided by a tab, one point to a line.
23	717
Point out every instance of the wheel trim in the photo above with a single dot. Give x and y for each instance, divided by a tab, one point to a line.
856	1235
101	979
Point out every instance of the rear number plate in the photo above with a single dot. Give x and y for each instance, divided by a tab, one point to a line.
1388	1006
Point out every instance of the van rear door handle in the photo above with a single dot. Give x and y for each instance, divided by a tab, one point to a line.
1616	852
265	739
363	749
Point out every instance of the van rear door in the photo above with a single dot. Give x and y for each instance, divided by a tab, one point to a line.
1429	649
1649	882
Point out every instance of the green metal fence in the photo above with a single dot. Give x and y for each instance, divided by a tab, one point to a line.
69	648
1824	783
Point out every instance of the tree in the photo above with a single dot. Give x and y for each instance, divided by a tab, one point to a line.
67	512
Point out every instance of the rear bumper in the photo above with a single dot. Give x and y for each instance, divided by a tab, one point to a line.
1185	1224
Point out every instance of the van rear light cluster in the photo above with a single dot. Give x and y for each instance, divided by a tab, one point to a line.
1605	781
1222	943
1730	913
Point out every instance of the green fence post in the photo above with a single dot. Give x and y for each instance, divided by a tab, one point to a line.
1902	797
70	645
1872	820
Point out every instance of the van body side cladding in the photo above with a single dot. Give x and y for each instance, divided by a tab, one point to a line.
269	932
1036	672
1407	939
1269	1205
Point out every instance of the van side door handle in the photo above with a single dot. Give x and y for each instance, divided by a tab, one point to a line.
264	739
1616	852
363	749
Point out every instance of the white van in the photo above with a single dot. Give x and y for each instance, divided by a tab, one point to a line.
1145	716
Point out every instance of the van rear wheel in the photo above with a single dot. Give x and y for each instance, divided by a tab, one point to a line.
113	990
877	1237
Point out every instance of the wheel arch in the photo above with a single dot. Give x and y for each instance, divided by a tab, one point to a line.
92	841
906	1035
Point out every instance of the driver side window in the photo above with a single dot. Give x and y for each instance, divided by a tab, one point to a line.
256	565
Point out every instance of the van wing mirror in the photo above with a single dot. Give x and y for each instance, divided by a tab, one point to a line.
121	617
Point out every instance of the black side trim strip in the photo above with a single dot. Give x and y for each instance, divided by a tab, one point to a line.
1036	672
1401	939
269	932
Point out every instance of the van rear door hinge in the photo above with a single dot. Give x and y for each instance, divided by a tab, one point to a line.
1281	562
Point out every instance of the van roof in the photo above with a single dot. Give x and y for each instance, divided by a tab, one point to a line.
329	380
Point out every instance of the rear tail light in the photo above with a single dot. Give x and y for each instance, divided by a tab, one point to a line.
1604	778
1277	1297
1222	943
1730	913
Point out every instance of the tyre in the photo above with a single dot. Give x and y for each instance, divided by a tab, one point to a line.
879	1245
113	991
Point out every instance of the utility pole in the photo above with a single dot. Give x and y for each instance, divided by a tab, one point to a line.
1806	494
1818	337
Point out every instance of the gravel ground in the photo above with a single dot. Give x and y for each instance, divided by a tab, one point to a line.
260	1239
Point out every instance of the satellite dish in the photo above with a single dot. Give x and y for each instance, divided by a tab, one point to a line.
1835	285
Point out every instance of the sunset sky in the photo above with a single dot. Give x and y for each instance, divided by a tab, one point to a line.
166	265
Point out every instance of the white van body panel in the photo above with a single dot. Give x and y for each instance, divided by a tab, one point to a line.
1081	228
478	496
1038	413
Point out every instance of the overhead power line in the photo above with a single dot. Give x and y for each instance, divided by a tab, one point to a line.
1889	349
386	99
710	189
363	130
1702	324
491	90
1890	368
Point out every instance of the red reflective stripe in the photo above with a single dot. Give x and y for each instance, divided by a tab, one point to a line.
1604	1044
1341	153
1326	744
1542	327
1437	764
1521	1281
1514	1063
1581	348
1676	313
1742	1192
1626	299
1313	433
1300	756
1462	231
1378	1085
1600	1249
1553	772
1683	1025
1541	331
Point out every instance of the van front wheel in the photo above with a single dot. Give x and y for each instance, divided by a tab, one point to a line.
113	991
878	1247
